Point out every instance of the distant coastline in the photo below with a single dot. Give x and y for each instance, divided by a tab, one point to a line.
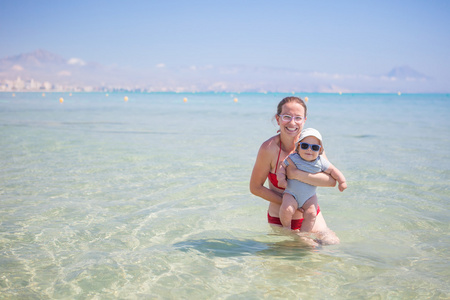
42	71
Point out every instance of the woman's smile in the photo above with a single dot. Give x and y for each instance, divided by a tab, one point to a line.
292	129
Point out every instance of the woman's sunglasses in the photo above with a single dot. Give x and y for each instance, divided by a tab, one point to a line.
314	147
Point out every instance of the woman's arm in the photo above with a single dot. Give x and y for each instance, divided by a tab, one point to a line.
260	172
317	179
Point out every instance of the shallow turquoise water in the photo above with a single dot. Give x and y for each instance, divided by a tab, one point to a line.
102	198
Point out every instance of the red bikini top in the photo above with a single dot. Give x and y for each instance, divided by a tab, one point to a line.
273	176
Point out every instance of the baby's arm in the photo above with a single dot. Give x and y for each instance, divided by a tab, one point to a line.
336	174
281	176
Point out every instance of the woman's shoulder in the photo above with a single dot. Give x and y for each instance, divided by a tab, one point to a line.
267	152
272	144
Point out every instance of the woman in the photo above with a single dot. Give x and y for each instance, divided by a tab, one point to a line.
291	116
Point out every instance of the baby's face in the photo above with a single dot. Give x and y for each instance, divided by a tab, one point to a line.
309	154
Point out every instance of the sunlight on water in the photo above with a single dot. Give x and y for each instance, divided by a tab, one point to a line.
149	198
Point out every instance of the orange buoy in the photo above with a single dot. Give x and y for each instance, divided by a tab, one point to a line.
184	99
235	99
125	98
61	100
306	99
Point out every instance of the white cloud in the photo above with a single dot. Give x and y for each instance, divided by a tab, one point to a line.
218	86
161	65
335	76
64	73
76	61
17	68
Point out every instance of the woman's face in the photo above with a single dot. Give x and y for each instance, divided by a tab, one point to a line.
291	127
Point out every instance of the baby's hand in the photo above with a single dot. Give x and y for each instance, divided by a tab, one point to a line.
342	186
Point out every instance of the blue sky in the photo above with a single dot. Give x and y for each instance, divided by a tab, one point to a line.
332	38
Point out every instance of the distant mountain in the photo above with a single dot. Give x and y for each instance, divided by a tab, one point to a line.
33	59
406	72
42	65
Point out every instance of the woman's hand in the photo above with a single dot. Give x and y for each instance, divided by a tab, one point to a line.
281	176
317	179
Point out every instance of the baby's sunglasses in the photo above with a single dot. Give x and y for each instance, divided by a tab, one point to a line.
314	147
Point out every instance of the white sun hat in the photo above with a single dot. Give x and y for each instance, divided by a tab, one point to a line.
310	132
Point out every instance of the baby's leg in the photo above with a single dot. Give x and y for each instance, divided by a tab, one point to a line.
310	214
287	210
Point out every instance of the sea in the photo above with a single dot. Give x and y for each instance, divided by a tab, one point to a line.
146	196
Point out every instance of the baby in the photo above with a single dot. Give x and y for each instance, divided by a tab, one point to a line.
298	194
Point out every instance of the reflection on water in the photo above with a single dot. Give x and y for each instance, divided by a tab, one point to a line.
286	249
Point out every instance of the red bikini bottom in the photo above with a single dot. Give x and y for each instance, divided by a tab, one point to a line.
295	224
